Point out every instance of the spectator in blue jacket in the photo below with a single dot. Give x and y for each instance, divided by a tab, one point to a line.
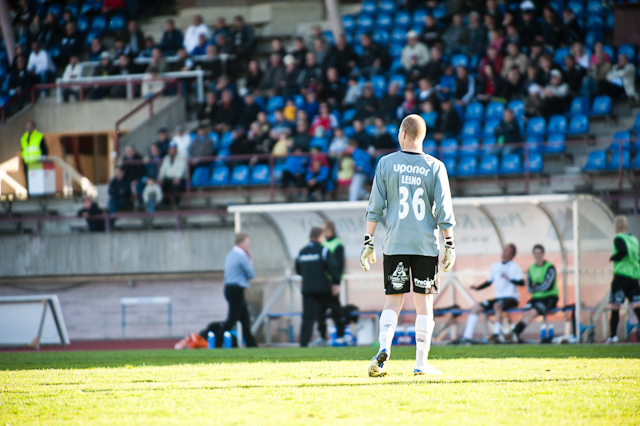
171	38
317	178
361	170
295	169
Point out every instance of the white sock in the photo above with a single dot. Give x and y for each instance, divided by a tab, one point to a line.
496	327
388	324
424	329
472	321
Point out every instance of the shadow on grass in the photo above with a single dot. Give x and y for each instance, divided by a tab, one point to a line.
97	359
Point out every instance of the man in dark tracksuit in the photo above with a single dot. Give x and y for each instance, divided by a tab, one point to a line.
313	265
336	260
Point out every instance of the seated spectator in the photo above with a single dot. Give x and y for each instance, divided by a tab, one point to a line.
151	169
508	132
109	6
545	66
373	57
311	74
104	68
594	83
535	52
362	169
302	138
453	37
367	106
360	134
436	66
571	30
414	48
288	86
428	114
294	171
220	27
73	70
147	49
409	105
249	111
514	58
202	146
431	32
135	37
311	104
119	192
201	47
353	93
496	39
317	178
212	67
448	122
427	92
597	49
380	138
223	44
183	62
40	64
511	88
621	79
151	196
24	13
511	36
243	39
277	48
151	84
163	141
551	27
332	90
207	111
580	55
280	125
172	39
173	172
321	51
341	56
324	121
20	78
96	49
182	141
224	83
492	58
120	49
241	144
388	105
227	113
465	87
339	142
273	76
290	111
71	44
158	61
253	77
414	72
124	67
132	166
260	141
192	35
47	34
283	145
299	52
488	83
476	36
88	211
556	96
573	75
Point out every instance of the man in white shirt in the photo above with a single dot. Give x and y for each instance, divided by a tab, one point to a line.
416	48
73	70
192	35
182	141
40	64
506	275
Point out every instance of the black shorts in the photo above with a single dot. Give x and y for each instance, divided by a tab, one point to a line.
624	287
505	302
542	305
424	272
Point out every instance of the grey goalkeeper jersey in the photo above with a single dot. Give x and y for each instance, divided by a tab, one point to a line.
414	188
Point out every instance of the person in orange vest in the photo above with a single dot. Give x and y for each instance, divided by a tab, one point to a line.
33	146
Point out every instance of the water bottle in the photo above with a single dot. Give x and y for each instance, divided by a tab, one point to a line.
211	340
227	340
543	332
550	332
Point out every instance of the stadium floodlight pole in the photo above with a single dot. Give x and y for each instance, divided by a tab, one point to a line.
576	268
333	10
7	30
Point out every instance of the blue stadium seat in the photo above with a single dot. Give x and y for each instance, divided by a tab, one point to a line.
597	160
370	129
511	163
274	103
467	166
460	60
240	175
594	22
91	35
86	9
614	164
395	50
298	101
260	174
621	138
577	7
399	36
517	107
393	130
73	9
594	6
381	37
488	165
200	177
117	23
278	170
449	147
636	124
226	141
579	105
54	52
591	38
629	50
609	50
450	165
320	143
490	127
328	35
494	111
56	9
471	129
440	12
559	55
388	6
379	84
99	23
601	106
384	21
535	162
369	6
349	22
349	131
578	125
365	22
398	78
608	20
220	176
419	17
469	146
474	111
403	19
557	124
348	115
534	143
83	24
536	126
488	145
555	144
430	147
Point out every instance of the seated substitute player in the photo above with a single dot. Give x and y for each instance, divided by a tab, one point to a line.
626	273
541	283
506	275
414	188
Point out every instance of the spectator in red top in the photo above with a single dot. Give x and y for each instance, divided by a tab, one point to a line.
488	82
109	5
493	58
324	120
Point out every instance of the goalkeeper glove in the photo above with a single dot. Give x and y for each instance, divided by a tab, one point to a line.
368	252
449	254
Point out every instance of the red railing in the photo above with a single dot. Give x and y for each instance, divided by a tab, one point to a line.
29	91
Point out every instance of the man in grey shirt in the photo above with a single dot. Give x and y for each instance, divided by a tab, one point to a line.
238	270
414	188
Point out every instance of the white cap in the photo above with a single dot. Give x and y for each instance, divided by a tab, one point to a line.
527	5
289	59
412	34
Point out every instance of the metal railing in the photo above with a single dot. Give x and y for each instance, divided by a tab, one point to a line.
70	175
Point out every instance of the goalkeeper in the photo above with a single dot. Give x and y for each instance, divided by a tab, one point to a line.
414	189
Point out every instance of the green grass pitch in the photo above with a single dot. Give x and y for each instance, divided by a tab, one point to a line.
488	385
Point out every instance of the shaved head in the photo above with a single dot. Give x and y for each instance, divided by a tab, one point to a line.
415	127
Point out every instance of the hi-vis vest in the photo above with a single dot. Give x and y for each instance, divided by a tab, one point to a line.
31	151
332	246
628	266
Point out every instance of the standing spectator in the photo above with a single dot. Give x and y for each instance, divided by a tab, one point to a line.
90	209
33	146
508	132
172	174
135	37
465	88
453	37
621	79
73	70
172	38
361	171
317	178
182	141
40	64
243	39
227	112
341	56
372	57
238	271
476	36
313	265
416	48
152	195
119	192
70	44
514	58
380	137
192	35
